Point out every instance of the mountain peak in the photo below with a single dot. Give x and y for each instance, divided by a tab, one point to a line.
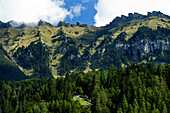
41	22
65	24
158	14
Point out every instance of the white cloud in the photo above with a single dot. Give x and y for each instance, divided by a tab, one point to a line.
107	10
33	10
77	9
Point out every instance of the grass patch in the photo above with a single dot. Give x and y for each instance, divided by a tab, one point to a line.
87	70
82	102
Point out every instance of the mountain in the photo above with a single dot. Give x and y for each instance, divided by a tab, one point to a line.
45	50
41	22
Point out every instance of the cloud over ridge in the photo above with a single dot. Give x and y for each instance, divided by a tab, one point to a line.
33	10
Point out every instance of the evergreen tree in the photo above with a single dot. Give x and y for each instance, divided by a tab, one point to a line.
124	104
142	106
130	109
164	109
119	110
136	106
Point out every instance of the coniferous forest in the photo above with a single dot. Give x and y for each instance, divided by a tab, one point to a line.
134	89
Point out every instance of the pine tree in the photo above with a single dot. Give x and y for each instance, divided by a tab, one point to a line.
119	110
136	106
148	107
164	109
124	104
130	109
37	109
155	110
20	108
0	110
96	105
68	93
142	106
103	97
6	106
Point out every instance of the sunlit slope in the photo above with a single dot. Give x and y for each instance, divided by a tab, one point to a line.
72	48
132	26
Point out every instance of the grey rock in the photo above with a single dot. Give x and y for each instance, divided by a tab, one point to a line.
65	24
41	22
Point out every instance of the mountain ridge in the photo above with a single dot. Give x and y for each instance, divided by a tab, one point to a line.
55	50
116	20
132	16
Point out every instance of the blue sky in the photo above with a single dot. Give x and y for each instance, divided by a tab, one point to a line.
87	13
92	12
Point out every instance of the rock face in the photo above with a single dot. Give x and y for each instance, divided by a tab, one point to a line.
81	24
158	14
140	48
41	22
65	24
145	46
140	45
132	16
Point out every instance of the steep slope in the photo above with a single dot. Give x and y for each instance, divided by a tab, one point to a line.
146	45
44	50
34	58
8	69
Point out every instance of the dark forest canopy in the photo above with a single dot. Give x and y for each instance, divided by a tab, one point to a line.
135	89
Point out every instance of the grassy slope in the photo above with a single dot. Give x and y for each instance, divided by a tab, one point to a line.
84	35
132	26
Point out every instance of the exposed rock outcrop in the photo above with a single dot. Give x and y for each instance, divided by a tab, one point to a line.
140	45
41	22
65	24
81	24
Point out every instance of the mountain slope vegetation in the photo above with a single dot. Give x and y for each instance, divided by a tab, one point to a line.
44	50
8	69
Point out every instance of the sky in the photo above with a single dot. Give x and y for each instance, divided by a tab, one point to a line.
92	12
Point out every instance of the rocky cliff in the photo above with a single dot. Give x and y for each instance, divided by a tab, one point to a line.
146	41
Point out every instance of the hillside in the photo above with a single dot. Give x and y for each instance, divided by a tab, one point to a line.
8	69
45	50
